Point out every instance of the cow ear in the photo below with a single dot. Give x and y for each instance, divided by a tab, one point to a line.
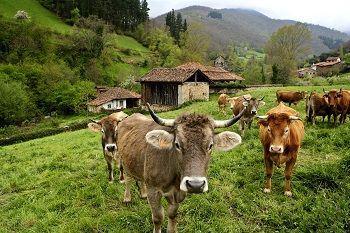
94	126
262	123
160	139
245	103
261	103
227	140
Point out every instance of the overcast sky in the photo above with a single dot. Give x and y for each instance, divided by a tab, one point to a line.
331	14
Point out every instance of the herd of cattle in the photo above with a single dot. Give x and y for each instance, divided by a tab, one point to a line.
172	155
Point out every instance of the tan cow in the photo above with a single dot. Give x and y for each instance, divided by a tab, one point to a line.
171	157
281	134
290	97
222	101
108	127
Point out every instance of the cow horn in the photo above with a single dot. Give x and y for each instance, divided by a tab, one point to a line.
261	117
158	120
95	121
262	98
227	123
324	91
294	118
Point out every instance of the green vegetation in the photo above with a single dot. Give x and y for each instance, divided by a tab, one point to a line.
59	184
37	13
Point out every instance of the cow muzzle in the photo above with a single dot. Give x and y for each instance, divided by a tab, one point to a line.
110	147
276	149
194	184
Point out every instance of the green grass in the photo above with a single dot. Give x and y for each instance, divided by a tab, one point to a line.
59	184
8	8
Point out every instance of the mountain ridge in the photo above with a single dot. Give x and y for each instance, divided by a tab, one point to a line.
240	26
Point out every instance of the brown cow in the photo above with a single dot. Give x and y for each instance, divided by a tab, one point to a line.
108	126
171	157
232	100
317	105
281	134
339	102
252	106
222	101
290	97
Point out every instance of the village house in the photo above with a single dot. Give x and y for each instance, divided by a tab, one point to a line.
113	99
327	68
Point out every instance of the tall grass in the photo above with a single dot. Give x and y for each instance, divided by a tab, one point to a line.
59	184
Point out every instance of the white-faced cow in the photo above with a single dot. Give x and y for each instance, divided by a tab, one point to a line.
290	97
339	102
317	105
252	105
281	134
171	157
108	127
222	101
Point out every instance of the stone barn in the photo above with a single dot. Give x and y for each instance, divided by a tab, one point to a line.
171	87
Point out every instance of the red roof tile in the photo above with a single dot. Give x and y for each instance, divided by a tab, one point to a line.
114	93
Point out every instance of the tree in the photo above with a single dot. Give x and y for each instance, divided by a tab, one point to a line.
195	42
287	45
176	25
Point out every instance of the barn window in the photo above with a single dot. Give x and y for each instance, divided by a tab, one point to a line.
109	106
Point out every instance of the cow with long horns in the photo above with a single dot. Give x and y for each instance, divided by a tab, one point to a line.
281	134
171	156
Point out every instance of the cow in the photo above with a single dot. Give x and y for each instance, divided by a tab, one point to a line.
281	134
222	101
339	102
317	105
290	97
252	105
108	127
171	156
232	100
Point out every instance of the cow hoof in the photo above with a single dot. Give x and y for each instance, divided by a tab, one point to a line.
122	181
266	190
127	201
288	193
110	181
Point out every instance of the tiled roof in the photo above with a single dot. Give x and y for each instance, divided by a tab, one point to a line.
114	93
177	75
214	73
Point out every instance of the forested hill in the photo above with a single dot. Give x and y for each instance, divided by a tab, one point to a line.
249	27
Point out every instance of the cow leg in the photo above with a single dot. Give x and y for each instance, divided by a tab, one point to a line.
173	207
154	200
143	190
242	127
288	175
269	173
110	166
121	174
127	193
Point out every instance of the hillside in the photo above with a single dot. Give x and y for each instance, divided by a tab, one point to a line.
242	27
38	13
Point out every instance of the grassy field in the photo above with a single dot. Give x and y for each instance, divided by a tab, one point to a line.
59	184
38	13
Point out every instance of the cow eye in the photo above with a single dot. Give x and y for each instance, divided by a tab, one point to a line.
177	145
102	130
286	131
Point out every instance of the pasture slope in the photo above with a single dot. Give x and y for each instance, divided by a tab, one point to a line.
59	184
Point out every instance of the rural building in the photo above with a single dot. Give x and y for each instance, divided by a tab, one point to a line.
112	99
174	86
302	73
216	74
219	62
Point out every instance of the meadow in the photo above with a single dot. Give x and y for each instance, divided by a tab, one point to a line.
59	183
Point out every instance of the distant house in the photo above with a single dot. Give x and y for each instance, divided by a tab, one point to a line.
302	73
219	62
328	67
112	99
174	86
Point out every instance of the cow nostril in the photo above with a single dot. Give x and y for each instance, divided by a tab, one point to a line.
194	186
110	148
253	112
